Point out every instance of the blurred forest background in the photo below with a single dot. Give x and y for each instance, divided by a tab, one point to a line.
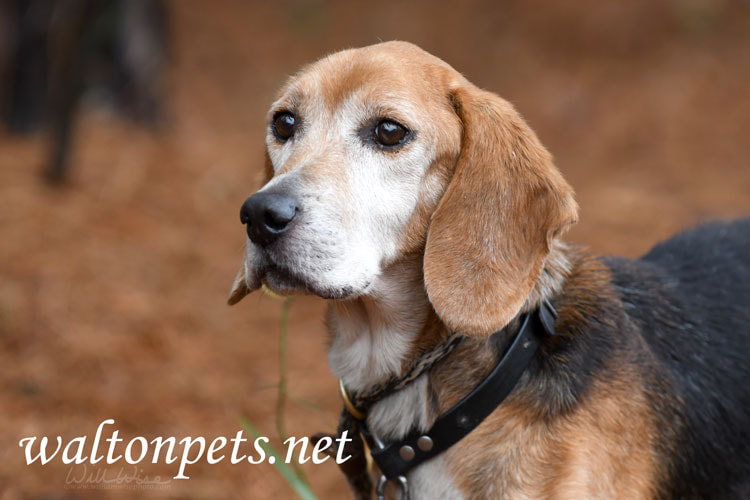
133	131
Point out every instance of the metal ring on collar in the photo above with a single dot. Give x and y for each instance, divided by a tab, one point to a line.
383	481
353	411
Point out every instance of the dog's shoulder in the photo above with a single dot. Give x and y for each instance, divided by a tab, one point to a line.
689	300
695	283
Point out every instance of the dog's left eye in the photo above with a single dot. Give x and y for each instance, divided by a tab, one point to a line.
284	125
389	134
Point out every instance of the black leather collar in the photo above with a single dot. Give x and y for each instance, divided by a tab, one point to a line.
397	458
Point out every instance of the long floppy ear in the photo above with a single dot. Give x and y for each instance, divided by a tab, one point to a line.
240	287
491	231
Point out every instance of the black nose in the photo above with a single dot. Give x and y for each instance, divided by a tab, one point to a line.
267	216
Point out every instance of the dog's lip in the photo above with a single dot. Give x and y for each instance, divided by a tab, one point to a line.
287	281
290	280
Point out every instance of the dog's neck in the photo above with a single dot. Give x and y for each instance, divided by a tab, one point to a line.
374	336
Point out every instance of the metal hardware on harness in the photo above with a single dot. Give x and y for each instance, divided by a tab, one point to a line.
383	481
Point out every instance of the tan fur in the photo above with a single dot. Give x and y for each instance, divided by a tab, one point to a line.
239	287
492	230
602	449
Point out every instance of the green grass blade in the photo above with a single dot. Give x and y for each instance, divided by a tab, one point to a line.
300	487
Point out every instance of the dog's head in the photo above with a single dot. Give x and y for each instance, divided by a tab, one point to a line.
385	151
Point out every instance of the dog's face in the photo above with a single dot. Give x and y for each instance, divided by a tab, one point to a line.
351	142
380	152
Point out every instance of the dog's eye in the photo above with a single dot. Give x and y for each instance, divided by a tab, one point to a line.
284	124
389	133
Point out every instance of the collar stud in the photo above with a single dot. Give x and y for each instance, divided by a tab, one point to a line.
425	443
406	452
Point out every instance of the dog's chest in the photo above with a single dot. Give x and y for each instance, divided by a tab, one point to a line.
502	458
393	418
363	352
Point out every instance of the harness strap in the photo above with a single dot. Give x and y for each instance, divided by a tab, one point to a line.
395	459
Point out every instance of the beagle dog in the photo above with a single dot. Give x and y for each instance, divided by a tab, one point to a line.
422	208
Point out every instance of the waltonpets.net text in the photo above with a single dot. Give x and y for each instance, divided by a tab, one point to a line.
188	450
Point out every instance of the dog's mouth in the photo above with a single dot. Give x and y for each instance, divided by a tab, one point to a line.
282	280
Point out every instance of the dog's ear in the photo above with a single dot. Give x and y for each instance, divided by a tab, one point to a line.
491	232
239	287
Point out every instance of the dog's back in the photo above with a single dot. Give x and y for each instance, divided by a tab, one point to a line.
690	299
